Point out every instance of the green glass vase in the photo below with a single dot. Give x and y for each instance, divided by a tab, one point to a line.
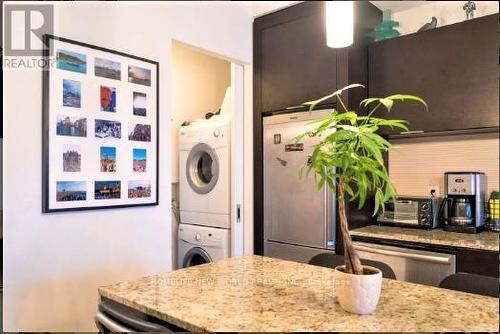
386	28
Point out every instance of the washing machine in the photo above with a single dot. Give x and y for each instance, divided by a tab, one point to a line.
204	173
201	244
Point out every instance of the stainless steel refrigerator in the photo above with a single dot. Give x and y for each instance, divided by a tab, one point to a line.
299	219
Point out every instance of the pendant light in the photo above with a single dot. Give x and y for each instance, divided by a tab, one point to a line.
339	20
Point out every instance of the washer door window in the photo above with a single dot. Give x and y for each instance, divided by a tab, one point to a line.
202	168
195	256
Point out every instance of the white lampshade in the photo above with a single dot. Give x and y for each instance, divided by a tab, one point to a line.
339	23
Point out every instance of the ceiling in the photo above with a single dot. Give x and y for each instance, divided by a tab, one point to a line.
398	6
260	8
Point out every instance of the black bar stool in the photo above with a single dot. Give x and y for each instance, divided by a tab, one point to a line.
472	283
329	260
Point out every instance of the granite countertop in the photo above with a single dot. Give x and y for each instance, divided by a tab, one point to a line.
255	293
487	241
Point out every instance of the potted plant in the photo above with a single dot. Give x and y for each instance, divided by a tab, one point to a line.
349	161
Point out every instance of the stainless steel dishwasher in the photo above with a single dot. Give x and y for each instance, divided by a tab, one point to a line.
411	265
113	317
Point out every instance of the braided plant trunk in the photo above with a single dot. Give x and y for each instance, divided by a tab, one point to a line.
352	262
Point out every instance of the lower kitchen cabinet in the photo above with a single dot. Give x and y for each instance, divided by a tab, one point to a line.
477	262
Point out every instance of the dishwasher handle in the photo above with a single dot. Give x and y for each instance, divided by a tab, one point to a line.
413	256
104	322
135	323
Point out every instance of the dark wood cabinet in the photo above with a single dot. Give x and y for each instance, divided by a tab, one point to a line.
293	64
453	68
295	69
477	262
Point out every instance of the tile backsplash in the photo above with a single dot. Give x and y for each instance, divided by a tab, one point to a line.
418	163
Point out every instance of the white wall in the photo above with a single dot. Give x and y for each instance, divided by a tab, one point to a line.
446	12
417	164
53	263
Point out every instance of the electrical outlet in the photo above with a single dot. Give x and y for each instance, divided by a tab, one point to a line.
433	190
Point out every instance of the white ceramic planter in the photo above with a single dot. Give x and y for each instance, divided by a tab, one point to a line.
358	293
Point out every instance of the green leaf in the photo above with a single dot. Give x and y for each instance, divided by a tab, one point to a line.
392	123
405	97
330	181
369	101
390	192
379	139
339	136
349	128
314	103
348	189
350	116
387	103
362	197
389	100
379	201
372	148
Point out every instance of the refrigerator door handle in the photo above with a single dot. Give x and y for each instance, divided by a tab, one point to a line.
330	218
325	215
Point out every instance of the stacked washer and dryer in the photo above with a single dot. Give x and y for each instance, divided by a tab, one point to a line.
205	191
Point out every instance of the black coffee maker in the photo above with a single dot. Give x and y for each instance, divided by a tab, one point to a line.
462	209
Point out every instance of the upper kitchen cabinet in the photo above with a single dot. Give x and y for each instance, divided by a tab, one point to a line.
292	61
453	68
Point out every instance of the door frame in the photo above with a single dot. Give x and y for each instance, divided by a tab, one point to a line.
241	153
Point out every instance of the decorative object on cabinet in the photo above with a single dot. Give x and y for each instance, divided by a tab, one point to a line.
386	28
100	128
494	211
469	8
349	160
429	25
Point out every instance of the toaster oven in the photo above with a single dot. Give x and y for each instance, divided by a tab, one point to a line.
421	212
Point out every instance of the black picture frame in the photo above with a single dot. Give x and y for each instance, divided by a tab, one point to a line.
46	89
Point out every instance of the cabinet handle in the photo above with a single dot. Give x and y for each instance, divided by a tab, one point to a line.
414	256
294	107
412	132
135	323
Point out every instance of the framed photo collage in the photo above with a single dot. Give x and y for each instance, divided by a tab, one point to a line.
100	128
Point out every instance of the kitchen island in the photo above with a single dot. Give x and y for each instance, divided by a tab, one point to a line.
255	293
